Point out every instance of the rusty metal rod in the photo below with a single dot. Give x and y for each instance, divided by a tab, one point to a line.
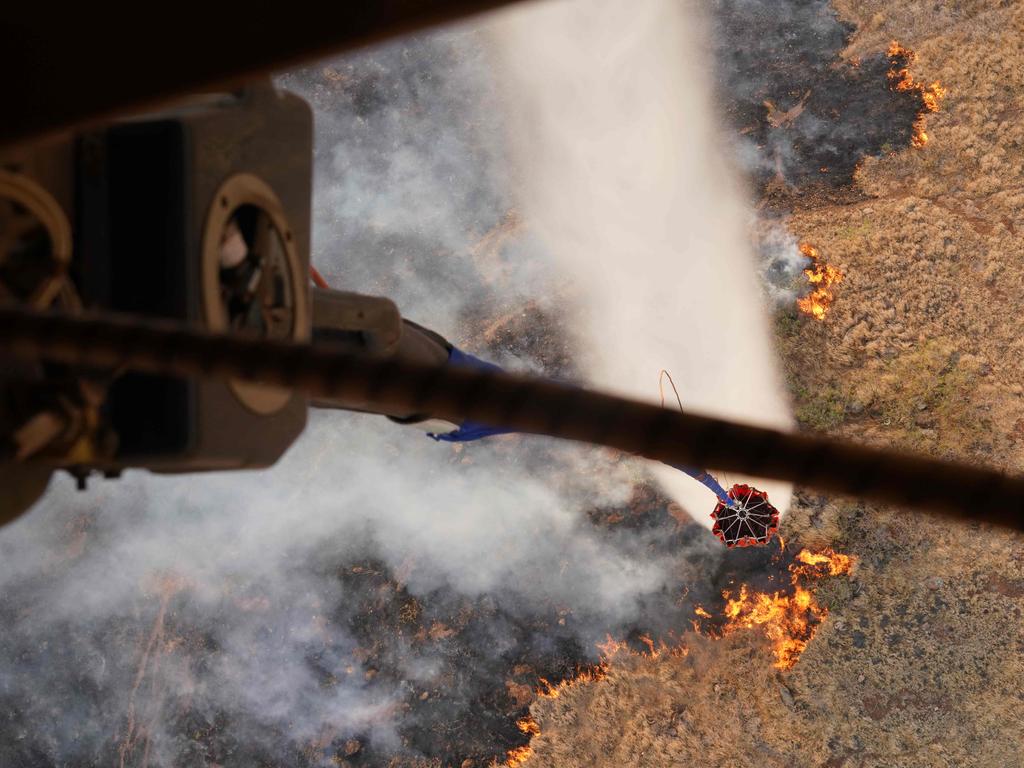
524	404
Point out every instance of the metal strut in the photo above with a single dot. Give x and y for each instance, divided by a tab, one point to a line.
523	404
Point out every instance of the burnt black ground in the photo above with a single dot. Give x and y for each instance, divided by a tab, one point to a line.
787	54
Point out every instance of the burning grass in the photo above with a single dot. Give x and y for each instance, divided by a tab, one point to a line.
925	358
822	278
902	81
788	617
529	727
789	620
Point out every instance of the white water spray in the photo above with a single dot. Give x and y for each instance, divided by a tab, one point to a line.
621	172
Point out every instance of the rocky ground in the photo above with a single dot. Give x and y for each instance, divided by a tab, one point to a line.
919	660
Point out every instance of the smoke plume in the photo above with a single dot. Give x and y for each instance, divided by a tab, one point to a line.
623	174
368	596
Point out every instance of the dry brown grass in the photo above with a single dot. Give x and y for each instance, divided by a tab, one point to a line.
920	662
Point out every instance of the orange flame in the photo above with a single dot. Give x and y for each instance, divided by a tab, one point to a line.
836	562
610	647
528	725
788	620
518	755
822	277
900	79
583	676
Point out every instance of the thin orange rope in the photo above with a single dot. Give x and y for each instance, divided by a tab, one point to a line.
661	389
318	279
662	375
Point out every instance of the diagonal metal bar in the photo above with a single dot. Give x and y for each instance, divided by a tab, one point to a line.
523	404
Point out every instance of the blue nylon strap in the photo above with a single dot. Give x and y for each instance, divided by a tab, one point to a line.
471	430
706	479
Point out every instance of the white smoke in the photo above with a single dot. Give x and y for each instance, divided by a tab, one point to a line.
622	172
242	580
781	261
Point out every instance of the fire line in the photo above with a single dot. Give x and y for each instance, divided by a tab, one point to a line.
788	618
901	80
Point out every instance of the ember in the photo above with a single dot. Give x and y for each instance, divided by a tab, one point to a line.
900	80
821	277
